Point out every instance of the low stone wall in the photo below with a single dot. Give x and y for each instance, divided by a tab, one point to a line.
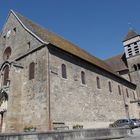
83	134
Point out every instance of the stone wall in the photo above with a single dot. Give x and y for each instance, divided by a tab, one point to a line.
68	135
75	103
18	41
71	102
135	75
27	101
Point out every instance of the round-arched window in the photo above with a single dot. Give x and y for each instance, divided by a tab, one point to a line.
7	53
6	75
135	67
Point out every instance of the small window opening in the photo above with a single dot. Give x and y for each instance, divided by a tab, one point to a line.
7	53
98	83
130	53
129	46
135	47
119	89
83	77
110	87
134	95
29	44
138	66
63	70
15	29
135	67
130	77
127	94
31	70
6	75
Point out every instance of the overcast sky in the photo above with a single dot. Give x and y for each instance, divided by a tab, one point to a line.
97	26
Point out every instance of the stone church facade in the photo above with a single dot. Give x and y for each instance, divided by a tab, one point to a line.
46	82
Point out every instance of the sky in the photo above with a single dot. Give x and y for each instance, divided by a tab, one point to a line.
97	26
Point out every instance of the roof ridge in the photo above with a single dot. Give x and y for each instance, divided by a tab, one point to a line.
51	32
44	35
22	19
121	54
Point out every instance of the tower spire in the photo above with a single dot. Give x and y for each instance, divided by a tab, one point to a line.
131	34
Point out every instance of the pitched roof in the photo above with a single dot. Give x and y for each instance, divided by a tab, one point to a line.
61	43
117	63
49	37
131	34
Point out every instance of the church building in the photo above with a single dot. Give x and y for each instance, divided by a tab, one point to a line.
47	82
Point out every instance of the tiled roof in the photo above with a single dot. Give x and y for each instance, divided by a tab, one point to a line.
117	63
131	34
61	43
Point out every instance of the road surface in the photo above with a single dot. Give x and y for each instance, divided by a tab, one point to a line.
135	136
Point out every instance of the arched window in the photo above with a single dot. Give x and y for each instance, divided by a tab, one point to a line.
119	89
110	87
98	82
83	77
7	53
31	71
135	67
127	94
64	71
6	75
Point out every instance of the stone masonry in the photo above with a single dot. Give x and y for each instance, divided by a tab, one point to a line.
48	99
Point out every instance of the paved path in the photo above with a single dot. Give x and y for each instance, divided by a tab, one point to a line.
135	136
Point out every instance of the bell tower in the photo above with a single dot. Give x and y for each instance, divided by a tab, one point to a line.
131	45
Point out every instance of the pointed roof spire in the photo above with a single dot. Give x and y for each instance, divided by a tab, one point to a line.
131	34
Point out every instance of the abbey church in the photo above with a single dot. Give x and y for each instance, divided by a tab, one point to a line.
47	82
